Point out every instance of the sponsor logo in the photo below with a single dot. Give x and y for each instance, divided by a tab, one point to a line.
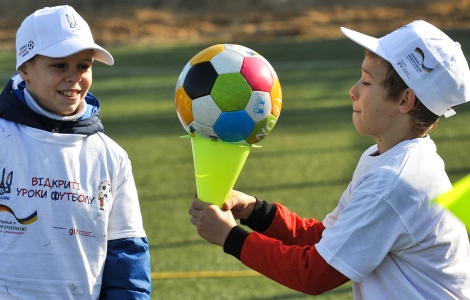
259	106
24	50
75	231
25	221
72	22
423	67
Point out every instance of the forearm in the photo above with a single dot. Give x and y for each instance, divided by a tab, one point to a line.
298	267
276	221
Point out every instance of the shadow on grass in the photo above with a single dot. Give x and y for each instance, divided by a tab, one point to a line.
186	196
339	291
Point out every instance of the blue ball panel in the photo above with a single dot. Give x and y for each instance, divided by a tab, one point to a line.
234	126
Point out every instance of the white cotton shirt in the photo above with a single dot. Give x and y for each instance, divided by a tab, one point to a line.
62	197
387	237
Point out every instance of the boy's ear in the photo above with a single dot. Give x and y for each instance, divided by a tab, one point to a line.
407	101
23	71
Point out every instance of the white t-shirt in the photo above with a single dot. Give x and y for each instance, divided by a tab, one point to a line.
387	237
62	197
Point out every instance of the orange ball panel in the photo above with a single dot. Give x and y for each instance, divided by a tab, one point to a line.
183	106
276	98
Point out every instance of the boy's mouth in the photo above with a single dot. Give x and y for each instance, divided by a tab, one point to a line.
69	93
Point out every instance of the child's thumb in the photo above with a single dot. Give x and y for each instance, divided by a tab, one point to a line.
228	204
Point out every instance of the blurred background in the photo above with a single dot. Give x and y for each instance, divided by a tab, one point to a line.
307	160
158	22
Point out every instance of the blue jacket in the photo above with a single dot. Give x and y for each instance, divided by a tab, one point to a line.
126	272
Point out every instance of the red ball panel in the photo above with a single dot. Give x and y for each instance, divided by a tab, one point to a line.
257	74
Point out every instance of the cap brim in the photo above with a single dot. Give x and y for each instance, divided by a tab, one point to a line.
72	46
365	41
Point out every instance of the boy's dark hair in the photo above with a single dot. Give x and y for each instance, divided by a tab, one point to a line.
424	120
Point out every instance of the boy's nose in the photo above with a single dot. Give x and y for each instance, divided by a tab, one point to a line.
352	93
73	75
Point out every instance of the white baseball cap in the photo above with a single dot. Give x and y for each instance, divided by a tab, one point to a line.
427	60
56	32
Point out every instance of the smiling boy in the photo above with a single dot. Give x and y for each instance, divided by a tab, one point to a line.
78	230
384	235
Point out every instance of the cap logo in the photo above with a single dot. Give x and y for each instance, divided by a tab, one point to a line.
423	67
24	50
73	23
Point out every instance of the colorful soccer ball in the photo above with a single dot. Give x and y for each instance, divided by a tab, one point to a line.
228	93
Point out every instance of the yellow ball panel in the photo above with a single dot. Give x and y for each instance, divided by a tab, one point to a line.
276	98
207	54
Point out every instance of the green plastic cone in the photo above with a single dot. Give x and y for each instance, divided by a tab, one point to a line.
458	200
217	166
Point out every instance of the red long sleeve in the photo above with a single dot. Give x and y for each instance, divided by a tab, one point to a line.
292	230
285	252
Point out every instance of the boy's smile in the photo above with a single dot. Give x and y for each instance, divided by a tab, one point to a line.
59	85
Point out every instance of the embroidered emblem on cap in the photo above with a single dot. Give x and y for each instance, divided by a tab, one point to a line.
73	23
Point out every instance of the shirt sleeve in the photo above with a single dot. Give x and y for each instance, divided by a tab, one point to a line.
285	252
125	218
364	233
126	273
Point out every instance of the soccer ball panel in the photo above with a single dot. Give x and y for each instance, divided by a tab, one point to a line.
234	126
261	130
183	106
259	106
231	92
205	111
197	129
182	76
227	62
200	80
276	98
273	72
207	54
257	73
242	50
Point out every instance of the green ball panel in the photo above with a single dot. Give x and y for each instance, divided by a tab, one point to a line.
261	130
231	92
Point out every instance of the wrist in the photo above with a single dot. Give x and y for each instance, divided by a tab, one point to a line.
261	216
234	242
250	207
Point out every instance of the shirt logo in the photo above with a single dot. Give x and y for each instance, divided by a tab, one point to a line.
24	221
5	184
104	194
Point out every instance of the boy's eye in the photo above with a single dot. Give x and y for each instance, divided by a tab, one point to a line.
365	83
84	67
58	65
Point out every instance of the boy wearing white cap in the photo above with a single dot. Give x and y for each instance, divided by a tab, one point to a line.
384	235
71	226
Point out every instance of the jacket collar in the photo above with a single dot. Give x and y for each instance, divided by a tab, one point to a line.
13	108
